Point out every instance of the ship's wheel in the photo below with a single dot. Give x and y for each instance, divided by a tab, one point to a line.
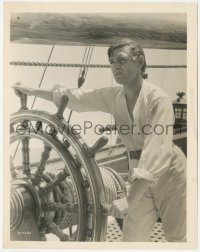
65	201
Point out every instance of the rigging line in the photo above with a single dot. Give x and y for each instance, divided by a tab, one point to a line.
85	65
82	66
16	150
83	61
83	74
86	62
43	75
35	96
89	61
70	114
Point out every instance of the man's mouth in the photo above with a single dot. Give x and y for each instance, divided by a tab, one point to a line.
117	73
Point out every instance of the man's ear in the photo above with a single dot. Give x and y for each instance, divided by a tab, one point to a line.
141	60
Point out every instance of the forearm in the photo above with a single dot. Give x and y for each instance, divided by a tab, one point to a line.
44	94
136	192
41	93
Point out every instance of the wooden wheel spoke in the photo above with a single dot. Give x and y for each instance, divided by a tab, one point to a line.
26	155
12	168
59	178
70	231
89	232
25	124
66	144
38	126
52	131
62	195
23	100
12	129
46	178
44	157
63	207
57	231
85	184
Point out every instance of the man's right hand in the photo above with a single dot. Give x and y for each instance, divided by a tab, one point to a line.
21	88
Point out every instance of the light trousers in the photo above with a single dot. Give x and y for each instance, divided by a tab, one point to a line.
166	200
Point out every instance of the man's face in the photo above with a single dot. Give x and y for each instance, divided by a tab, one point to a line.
125	67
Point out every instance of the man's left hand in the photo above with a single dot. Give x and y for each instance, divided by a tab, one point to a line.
118	208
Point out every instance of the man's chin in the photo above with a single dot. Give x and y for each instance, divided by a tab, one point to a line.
121	82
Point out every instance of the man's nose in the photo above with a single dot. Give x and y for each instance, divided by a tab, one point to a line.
116	66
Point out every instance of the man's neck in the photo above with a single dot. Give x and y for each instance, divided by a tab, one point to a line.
132	90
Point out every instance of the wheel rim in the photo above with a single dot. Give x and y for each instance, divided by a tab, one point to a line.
92	221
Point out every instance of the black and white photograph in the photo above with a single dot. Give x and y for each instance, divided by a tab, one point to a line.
100	125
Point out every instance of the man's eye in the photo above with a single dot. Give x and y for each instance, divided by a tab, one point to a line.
122	61
118	61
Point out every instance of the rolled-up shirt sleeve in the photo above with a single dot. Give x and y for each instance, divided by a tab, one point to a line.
82	100
158	141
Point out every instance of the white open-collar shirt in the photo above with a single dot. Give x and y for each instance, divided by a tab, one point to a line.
151	129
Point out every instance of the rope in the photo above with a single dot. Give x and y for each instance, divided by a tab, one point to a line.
83	71
82	61
51	64
43	75
89	61
113	184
